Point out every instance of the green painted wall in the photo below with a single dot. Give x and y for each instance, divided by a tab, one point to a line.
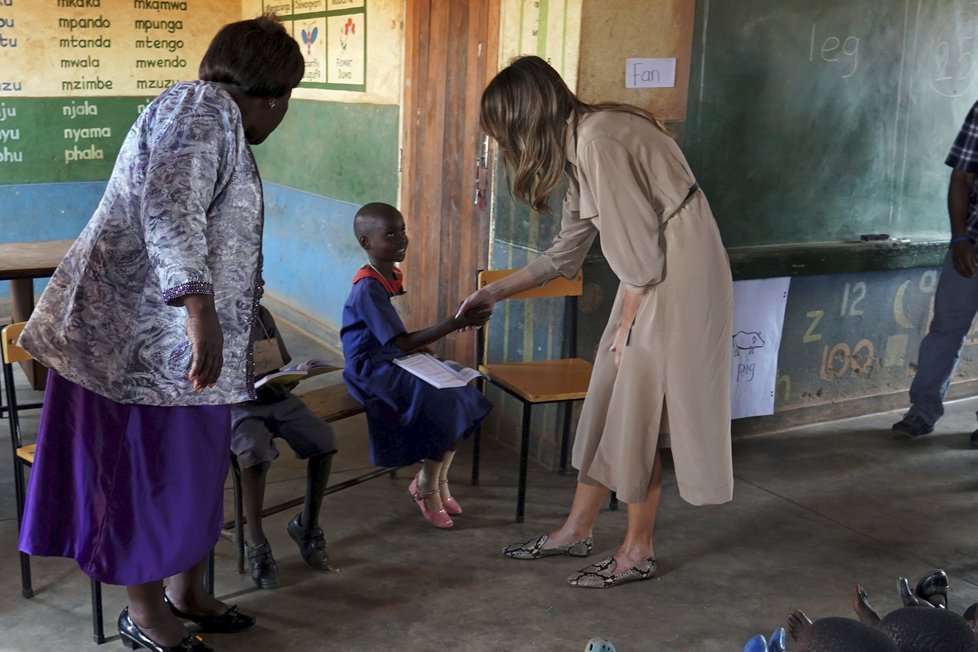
347	152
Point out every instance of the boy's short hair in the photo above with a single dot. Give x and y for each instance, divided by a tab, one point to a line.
256	55
376	209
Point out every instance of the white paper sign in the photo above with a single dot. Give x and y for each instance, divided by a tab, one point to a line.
650	73
758	321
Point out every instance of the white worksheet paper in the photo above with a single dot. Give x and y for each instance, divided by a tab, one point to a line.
758	321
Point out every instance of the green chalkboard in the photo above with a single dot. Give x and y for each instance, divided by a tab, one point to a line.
46	140
820	121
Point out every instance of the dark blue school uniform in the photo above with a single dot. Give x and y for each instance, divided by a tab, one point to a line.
408	419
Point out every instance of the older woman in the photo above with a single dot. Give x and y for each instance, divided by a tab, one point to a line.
664	358
146	327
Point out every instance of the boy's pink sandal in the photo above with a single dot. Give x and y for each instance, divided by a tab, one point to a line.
450	504
438	518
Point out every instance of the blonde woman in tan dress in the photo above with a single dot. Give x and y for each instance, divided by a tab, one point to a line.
663	363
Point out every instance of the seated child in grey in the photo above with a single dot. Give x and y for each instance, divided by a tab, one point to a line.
255	424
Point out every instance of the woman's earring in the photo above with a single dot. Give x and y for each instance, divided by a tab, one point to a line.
271	103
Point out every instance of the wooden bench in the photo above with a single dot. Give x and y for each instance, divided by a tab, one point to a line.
330	403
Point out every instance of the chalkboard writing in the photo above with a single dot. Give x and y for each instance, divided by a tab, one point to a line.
818	122
46	140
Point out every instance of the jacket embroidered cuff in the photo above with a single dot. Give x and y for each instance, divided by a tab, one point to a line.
193	287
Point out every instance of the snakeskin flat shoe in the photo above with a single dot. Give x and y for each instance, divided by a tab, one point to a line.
533	549
602	575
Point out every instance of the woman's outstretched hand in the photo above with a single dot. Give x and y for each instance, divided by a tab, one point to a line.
206	340
473	317
478	303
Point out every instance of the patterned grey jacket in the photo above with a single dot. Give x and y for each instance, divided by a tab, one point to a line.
182	213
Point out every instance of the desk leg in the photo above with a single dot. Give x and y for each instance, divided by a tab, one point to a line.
21	307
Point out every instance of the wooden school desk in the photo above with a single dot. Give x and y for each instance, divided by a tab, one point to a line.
21	263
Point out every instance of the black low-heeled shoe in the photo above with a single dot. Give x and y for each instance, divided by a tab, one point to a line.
908	597
134	638
229	622
933	587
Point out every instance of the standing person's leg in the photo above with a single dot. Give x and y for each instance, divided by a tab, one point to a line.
635	558
637	546
579	523
190	600
574	536
955	305
149	617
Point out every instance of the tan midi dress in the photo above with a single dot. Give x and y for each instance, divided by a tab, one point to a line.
630	182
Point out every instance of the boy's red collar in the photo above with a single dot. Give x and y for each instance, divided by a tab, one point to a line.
393	286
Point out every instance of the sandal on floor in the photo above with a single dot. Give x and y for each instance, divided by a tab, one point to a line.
439	517
602	575
450	504
533	549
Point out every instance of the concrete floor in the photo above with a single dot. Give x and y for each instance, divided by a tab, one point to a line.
815	510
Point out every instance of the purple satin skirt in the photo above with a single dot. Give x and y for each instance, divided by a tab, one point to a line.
133	493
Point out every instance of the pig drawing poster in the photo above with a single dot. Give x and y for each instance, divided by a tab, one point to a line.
757	323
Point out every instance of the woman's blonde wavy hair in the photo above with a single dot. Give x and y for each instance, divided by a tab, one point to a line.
525	110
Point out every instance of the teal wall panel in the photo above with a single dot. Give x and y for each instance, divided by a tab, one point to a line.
347	152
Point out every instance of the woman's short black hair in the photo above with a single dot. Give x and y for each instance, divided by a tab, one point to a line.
256	55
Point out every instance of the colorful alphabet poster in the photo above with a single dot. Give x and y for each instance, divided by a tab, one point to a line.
758	321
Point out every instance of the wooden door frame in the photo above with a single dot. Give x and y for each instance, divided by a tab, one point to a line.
441	143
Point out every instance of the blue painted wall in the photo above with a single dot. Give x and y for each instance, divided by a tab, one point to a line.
311	256
45	211
310	251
